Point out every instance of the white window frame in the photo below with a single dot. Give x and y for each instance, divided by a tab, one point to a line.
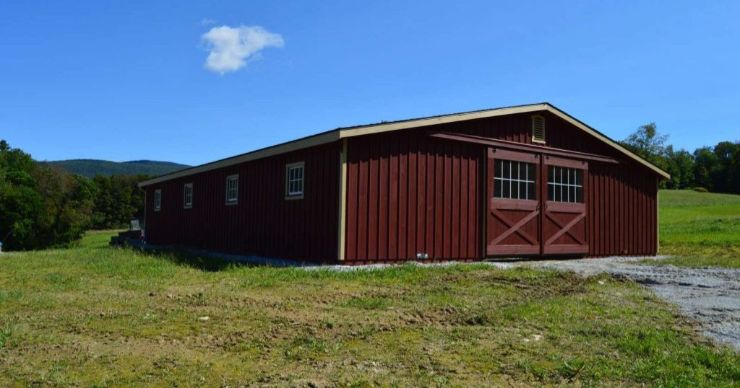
157	200
564	181
291	191
544	129
185	203
524	179
232	200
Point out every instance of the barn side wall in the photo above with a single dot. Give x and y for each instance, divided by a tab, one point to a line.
409	194
438	203
622	210
263	223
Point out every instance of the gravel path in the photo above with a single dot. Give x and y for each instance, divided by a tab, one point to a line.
709	295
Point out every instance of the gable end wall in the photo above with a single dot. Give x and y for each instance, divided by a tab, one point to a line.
437	205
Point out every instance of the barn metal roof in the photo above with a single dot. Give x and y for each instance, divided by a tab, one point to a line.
387	126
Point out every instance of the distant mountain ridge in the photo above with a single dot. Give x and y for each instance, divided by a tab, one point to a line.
92	167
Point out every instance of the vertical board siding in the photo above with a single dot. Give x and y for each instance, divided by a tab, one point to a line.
622	210
263	222
409	194
421	197
406	193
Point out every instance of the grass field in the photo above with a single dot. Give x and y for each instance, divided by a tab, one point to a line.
94	315
701	229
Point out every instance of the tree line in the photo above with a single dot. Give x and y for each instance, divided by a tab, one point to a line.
715	169
43	206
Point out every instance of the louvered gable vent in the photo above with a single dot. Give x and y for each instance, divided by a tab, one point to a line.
538	129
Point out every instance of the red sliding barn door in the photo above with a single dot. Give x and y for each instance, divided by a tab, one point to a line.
564	209
536	204
513	213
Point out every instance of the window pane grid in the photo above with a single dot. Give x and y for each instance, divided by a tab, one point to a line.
232	189
514	180
565	184
157	199
295	181
188	195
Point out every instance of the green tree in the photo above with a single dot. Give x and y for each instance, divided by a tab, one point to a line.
681	168
118	199
39	206
725	176
648	144
705	167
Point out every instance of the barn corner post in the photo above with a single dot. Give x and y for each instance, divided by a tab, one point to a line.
657	216
483	197
342	224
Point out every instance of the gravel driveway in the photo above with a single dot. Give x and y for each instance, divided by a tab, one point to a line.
709	295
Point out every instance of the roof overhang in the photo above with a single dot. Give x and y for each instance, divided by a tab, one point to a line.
514	146
343	133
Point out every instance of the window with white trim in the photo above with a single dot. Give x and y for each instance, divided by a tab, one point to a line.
187	196
157	200
565	184
232	189
538	129
514	180
294	180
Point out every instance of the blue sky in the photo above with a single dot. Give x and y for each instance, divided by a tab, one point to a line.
130	80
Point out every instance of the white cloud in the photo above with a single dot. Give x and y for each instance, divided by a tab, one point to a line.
231	47
207	22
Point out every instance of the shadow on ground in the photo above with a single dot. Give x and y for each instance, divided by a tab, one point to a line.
206	263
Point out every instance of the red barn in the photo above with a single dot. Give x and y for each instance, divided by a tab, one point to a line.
522	181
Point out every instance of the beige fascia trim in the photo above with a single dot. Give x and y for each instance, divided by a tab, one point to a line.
342	224
606	140
493	113
338	134
295	145
377	128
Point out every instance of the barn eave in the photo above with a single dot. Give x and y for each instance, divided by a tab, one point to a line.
348	132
